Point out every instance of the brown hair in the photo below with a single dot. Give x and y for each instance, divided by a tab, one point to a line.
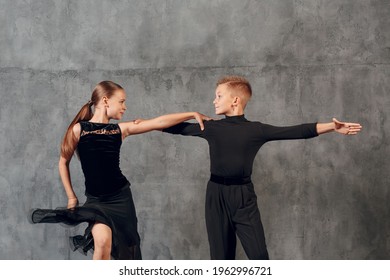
237	83
104	88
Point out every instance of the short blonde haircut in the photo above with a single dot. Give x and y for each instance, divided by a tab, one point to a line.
239	85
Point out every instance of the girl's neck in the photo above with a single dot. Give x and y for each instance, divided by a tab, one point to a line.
99	117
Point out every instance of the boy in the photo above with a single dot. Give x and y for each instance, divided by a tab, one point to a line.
231	202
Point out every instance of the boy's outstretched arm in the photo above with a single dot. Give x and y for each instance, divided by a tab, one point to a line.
345	128
141	126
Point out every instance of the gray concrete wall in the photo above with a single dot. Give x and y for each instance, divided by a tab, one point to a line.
308	60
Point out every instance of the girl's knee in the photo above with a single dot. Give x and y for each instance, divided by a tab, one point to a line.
103	242
102	237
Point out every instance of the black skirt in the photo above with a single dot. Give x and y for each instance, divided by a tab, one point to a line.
116	211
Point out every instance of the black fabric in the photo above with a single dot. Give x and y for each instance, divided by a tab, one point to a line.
232	210
229	180
99	150
116	211
235	141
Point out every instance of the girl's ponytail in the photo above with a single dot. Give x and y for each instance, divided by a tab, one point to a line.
69	142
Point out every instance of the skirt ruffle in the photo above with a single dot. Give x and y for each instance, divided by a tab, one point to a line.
116	211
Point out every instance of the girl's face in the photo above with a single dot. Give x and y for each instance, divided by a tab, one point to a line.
116	105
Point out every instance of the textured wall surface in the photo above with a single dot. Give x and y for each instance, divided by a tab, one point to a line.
308	60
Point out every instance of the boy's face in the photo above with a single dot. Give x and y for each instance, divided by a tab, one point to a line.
223	100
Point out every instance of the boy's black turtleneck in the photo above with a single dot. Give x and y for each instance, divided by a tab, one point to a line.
234	141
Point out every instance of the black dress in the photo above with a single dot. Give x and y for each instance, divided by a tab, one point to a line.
109	199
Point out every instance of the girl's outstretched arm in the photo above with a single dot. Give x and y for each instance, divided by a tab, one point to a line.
345	128
159	123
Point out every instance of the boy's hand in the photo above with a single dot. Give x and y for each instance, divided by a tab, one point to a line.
346	128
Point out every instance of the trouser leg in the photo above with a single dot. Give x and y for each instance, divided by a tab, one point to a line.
249	227
221	234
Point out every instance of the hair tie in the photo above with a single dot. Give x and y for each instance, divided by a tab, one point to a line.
89	102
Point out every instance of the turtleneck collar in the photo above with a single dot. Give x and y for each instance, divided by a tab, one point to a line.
236	119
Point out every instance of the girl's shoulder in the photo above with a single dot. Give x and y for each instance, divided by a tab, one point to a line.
77	130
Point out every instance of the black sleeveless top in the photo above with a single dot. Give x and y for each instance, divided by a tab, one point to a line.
99	148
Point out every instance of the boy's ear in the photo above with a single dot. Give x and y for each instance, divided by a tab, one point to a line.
236	100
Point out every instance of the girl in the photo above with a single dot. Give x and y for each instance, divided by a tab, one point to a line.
109	208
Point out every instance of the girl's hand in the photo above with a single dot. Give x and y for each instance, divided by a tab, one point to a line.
72	202
200	118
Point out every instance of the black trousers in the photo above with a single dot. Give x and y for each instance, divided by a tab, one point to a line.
231	210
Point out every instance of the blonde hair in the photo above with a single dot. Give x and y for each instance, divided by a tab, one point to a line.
104	88
237	83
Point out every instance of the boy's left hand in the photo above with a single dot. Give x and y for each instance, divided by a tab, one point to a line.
346	128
